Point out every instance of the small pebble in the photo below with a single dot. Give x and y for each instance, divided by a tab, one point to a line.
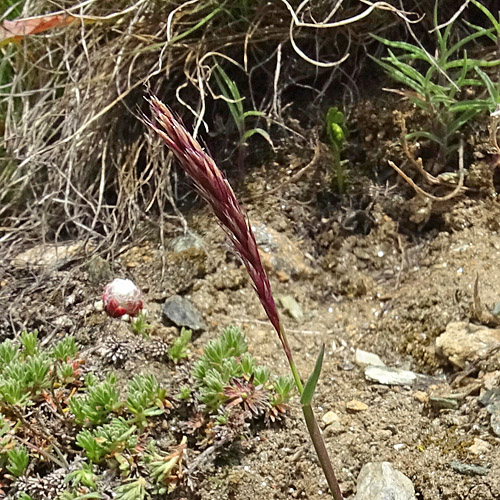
480	447
469	469
356	405
329	418
440	403
421	396
364	358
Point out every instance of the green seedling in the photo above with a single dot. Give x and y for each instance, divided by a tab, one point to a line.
84	476
98	403
29	342
139	325
133	489
184	393
337	134
146	399
37	372
108	439
66	348
8	353
18	460
164	467
179	349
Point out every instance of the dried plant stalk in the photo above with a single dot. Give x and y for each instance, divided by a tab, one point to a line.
214	188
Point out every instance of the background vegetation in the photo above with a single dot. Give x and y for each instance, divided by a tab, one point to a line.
78	163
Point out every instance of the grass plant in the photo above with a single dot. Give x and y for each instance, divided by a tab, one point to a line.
441	84
234	101
214	188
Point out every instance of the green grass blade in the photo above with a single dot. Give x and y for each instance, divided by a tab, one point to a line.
490	32
253	113
494	90
426	135
399	76
413	49
312	381
420	103
233	108
260	132
406	69
462	119
476	104
489	15
232	88
471	63
464	41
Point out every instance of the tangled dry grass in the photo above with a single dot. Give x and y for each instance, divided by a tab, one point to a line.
77	162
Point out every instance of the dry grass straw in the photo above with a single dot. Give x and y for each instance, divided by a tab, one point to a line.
76	162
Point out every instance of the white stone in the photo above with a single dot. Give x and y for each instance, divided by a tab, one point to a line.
364	358
380	481
330	417
464	342
389	376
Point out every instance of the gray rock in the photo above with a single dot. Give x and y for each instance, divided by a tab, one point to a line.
364	358
495	422
469	469
280	254
180	311
291	306
99	270
48	256
443	403
380	481
185	242
491	399
395	376
464	342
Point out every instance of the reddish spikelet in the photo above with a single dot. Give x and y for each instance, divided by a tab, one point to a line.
214	188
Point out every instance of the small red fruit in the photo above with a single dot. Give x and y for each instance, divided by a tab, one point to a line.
122	297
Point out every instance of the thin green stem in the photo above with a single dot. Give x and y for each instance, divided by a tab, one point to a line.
319	446
291	362
312	425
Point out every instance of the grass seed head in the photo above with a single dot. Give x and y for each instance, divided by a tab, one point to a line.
214	188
